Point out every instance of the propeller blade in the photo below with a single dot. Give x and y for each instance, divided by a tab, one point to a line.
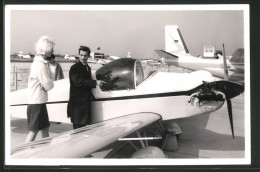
229	106
226	76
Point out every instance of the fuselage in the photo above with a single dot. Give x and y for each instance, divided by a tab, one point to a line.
164	93
214	66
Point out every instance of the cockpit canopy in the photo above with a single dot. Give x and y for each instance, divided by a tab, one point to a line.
121	74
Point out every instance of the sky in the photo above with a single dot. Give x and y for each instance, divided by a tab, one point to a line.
119	31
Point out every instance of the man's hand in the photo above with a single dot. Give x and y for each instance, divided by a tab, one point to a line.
100	82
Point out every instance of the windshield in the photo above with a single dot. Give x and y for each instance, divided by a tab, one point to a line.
123	74
117	75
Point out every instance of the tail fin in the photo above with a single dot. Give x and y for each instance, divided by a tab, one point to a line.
174	42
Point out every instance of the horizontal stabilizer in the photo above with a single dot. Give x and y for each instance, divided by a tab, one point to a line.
164	54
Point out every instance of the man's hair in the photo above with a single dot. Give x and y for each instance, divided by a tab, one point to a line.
84	48
44	44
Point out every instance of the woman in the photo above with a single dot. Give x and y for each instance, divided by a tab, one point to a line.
40	81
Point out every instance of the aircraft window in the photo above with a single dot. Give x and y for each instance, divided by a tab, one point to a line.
139	73
117	75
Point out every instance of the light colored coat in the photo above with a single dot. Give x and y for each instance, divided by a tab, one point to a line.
56	70
40	81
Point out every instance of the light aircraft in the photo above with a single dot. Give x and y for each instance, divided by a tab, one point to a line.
176	53
111	58
131	98
114	57
70	57
100	58
25	56
104	60
96	61
108	59
152	62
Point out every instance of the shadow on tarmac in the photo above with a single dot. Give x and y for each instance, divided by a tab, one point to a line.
197	137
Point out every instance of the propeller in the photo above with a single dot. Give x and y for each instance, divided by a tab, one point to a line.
226	77
229	103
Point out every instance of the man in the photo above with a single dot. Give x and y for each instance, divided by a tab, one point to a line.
81	83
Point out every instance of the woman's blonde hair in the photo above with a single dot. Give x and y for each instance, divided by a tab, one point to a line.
44	44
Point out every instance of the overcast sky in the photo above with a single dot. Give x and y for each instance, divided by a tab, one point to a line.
118	32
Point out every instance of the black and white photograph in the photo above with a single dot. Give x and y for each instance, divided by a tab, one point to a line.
127	85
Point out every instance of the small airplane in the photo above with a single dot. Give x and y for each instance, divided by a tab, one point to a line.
109	58
152	62
113	57
100	58
176	53
96	61
68	57
25	56
131	98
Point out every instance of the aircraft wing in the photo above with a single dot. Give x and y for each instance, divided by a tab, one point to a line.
86	140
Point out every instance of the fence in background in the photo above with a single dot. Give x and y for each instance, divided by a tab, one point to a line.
19	77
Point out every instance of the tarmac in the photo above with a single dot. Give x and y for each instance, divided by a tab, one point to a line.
204	136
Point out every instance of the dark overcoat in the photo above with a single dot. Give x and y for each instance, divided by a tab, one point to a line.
79	105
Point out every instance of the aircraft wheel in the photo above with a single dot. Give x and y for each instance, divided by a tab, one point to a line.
172	127
171	136
149	152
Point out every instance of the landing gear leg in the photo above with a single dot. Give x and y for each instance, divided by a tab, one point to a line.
170	142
